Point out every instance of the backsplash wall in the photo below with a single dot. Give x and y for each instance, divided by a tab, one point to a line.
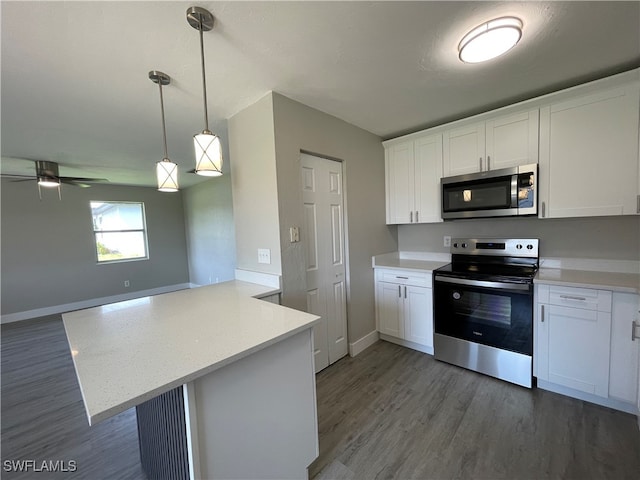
613	238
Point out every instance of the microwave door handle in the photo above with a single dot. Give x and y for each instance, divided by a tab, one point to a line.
514	191
483	283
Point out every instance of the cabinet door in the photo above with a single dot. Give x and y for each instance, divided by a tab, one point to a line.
577	347
623	372
464	149
428	172
589	155
418	315
512	140
389	309
400	183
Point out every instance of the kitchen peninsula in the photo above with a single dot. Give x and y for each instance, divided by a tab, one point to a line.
229	377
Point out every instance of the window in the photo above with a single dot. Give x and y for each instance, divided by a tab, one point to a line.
119	230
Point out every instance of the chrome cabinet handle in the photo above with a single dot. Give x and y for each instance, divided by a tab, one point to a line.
480	163
410	217
403	278
542	313
638	206
488	162
399	291
572	297
416	216
543	210
405	292
634	325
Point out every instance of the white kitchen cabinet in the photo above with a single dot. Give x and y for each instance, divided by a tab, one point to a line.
500	142
589	164
623	371
404	308
413	171
573	338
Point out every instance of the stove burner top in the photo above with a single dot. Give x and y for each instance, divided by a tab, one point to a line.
507	260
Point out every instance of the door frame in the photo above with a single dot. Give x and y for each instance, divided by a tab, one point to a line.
345	227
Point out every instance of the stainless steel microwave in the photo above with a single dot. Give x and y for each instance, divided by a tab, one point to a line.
497	193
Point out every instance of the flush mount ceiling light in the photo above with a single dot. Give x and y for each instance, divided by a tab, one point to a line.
207	145
166	170
490	40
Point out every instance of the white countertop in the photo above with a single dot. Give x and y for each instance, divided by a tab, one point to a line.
403	261
617	282
129	352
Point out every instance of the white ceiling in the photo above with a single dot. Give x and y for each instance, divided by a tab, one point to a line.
75	88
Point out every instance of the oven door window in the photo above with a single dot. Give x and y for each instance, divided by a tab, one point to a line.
490	194
496	317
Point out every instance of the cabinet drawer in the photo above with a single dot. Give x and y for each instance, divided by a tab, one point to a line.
405	277
583	298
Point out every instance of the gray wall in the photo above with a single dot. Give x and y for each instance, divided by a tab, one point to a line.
255	192
301	128
208	217
613	238
48	251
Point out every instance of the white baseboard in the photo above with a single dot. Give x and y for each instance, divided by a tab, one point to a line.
93	302
365	342
587	397
407	343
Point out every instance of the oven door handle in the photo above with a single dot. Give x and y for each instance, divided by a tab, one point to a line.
483	283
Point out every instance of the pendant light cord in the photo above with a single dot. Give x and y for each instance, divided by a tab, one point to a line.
164	129
204	81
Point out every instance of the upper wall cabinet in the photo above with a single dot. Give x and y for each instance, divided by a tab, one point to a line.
501	142
413	170
589	164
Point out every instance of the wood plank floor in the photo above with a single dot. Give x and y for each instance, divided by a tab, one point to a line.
390	412
396	413
43	417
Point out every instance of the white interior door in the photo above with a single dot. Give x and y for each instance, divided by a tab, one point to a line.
323	237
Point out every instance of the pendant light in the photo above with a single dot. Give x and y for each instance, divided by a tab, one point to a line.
207	146
166	170
490	40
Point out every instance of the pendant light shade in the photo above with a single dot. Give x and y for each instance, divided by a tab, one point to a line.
167	174
490	40
207	146
166	170
208	154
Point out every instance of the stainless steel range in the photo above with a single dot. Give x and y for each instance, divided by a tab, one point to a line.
483	307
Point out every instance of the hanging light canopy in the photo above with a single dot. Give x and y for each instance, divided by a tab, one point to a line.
166	170
207	145
490	40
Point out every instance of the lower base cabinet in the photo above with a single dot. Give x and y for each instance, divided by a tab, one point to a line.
404	308
584	347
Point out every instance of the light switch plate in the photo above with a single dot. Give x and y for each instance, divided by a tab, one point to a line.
264	255
447	241
294	234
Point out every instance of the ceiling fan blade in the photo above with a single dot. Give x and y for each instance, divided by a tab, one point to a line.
11	175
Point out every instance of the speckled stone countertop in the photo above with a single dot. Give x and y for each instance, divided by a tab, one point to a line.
397	261
617	282
128	352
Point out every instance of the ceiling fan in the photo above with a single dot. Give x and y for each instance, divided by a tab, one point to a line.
48	175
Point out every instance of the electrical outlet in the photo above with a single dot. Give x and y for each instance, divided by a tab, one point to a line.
126	283
447	241
264	255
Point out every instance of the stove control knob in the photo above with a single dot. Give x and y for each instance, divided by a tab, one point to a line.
519	247
529	247
464	245
455	245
